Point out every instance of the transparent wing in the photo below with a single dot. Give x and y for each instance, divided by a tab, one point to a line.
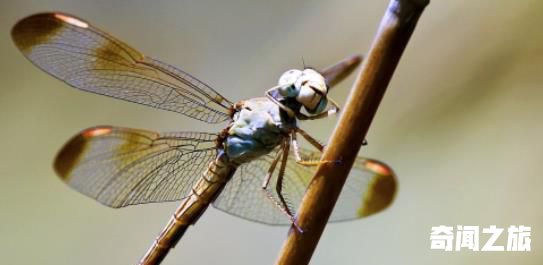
92	60
243	196
120	166
369	189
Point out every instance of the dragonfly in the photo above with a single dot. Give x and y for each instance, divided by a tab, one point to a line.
254	168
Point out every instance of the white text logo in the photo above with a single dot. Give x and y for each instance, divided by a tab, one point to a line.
467	237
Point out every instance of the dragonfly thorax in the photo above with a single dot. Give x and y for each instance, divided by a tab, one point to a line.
257	128
308	87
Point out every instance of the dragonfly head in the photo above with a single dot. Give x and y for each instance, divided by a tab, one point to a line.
308	87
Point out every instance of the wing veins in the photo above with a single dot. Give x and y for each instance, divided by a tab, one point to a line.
132	165
133	74
68	51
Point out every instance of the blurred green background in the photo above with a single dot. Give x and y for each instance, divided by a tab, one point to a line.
460	124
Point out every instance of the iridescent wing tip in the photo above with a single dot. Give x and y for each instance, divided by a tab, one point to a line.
71	153
381	189
39	28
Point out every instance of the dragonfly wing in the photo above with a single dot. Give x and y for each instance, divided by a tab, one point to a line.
121	166
89	59
369	189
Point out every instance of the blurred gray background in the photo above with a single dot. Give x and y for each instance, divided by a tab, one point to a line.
460	124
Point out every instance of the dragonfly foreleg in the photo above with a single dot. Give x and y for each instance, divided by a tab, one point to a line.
270	96
296	150
316	143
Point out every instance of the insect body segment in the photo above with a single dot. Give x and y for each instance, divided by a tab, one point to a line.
257	128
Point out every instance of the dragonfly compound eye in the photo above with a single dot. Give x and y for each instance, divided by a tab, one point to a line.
313	91
312	101
287	80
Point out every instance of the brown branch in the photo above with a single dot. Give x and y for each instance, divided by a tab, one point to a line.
392	36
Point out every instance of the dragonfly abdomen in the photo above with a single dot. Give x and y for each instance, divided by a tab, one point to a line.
192	207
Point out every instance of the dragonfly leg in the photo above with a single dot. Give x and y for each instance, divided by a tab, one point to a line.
279	187
316	143
298	156
281	204
269	95
270	171
322	115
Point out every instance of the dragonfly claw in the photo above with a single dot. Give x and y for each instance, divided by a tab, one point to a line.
298	228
